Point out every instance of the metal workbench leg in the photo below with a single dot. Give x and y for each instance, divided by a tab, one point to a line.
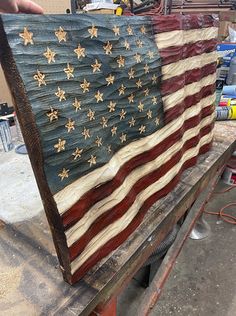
201	229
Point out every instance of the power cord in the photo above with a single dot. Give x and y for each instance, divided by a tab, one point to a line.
228	218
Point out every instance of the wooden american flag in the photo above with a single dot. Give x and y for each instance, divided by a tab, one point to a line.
112	109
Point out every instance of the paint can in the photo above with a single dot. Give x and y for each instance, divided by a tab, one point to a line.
5	135
229	174
225	113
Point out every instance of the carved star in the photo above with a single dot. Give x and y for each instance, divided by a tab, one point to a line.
109	149
112	106
131	98
146	69
140	106
69	71
142	129
80	51
116	30
99	96
157	121
85	86
121	61
40	78
137	57
50	55
146	92
64	174
122	89
127	45
113	131
107	48
70	125
132	122
91	115
149	114
131	73
154	79
154	100
96	66
77	105
123	138
86	133
139	43
92	160
27	36
61	35
104	122
129	30
122	114
60	94
60	146
110	79
93	32
139	83
143	29
52	115
98	141
150	54
77	153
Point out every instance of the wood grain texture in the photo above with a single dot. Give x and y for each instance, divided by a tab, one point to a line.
77	68
48	294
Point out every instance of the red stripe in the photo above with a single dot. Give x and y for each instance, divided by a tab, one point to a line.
177	53
176	83
77	211
179	108
113	214
175	22
122	236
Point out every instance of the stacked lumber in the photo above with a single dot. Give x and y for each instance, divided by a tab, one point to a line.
200	6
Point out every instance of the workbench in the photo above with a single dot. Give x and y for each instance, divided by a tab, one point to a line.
31	281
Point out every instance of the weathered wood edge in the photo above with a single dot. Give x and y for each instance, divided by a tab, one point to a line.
34	148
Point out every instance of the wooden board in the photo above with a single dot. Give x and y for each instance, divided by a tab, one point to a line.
31	246
112	110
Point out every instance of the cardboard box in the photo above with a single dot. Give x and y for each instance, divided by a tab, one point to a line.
228	16
223	31
53	7
5	95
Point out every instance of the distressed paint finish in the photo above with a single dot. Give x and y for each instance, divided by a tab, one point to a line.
95	66
113	110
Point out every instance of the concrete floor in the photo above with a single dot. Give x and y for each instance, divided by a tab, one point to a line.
15	171
203	281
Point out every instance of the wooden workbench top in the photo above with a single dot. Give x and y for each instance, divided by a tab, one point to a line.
30	278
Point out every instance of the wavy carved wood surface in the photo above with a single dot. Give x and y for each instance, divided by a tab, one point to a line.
112	111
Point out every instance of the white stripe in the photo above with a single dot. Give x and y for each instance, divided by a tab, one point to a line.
76	231
180	67
182	37
177	97
73	192
115	228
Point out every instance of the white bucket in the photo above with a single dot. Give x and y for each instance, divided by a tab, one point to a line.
229	174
